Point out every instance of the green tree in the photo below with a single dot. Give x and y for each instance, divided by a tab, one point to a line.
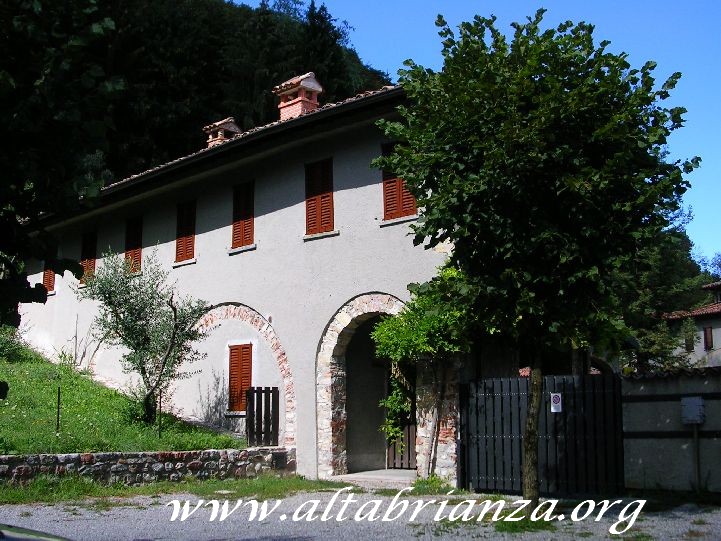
665	278
324	53
142	313
429	334
541	159
54	94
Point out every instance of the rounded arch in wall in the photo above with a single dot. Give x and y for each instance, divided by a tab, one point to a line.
331	376
240	312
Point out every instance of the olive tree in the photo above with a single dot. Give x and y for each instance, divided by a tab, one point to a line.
142	312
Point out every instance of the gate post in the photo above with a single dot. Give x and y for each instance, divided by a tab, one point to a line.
446	453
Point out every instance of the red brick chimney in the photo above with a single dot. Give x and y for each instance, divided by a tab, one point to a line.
298	95
221	131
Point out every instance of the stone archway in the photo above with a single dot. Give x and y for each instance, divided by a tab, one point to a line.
331	377
241	312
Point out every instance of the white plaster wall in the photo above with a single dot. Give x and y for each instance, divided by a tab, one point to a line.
713	356
299	284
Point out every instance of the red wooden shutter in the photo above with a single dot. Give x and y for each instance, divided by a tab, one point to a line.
319	197
390	198
243	215
240	373
185	239
408	202
397	200
134	243
88	248
708	338
49	280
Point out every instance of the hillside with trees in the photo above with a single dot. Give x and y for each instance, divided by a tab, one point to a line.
92	91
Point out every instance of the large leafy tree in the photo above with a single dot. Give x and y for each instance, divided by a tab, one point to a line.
541	158
54	93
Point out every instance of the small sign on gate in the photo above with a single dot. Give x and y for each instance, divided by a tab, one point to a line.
556	403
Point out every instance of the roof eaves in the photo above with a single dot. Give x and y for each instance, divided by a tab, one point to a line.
269	129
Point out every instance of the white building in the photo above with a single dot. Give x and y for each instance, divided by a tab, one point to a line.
706	348
299	245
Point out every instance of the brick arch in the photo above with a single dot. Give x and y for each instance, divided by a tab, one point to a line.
331	376
246	314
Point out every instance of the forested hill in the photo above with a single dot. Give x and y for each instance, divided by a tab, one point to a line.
186	63
112	87
95	90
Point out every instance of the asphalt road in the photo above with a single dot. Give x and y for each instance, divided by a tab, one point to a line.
146	518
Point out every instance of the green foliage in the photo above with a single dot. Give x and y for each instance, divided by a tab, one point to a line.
54	96
433	324
142	313
664	279
13	348
542	160
398	407
93	417
432	484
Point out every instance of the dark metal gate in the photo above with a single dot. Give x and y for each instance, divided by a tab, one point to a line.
580	449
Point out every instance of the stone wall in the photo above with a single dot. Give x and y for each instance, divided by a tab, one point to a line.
148	467
446	454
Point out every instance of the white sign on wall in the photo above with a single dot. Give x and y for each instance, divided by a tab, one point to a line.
556	403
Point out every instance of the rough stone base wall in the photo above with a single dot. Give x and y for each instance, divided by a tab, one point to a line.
447	451
148	467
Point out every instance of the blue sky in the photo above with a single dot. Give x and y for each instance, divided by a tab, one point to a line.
679	36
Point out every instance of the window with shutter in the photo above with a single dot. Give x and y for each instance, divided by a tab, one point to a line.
134	243
397	200
185	236
708	338
88	248
319	197
239	374
49	280
243	215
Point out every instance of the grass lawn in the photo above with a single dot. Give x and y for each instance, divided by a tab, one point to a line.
75	488
93	417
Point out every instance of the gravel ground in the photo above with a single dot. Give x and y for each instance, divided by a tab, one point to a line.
145	518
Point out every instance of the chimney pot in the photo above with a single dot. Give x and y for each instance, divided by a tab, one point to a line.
298	95
221	131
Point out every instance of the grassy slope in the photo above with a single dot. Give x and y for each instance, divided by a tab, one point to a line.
93	417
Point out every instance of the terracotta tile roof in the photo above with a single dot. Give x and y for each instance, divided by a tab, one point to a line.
252	131
707	310
712	285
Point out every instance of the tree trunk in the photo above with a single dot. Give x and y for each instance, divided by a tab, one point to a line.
428	452
579	362
150	408
436	434
530	435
